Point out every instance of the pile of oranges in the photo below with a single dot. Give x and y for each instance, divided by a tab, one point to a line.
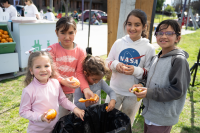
4	37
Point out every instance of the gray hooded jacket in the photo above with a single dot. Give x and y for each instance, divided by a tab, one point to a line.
167	83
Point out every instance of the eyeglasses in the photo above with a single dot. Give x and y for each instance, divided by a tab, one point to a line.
168	33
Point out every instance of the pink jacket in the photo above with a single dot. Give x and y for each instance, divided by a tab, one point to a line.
69	63
38	98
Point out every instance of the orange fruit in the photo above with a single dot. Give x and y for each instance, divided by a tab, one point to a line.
51	114
0	38
82	100
10	39
1	31
106	107
94	98
0	34
7	36
3	36
5	33
75	80
3	40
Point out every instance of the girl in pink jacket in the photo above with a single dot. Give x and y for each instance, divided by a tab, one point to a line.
42	93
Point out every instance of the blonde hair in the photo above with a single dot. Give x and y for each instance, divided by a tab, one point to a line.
29	77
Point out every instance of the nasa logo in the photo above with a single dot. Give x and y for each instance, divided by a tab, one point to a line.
130	57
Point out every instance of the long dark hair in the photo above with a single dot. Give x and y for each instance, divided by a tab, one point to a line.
141	15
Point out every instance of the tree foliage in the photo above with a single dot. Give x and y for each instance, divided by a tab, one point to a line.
169	9
159	5
196	6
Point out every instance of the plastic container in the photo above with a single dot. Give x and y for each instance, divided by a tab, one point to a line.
7	47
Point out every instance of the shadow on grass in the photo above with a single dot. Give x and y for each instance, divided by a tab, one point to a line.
191	128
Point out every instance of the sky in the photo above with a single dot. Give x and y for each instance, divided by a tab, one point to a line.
168	2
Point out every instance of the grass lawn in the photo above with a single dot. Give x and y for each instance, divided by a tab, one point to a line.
189	122
158	18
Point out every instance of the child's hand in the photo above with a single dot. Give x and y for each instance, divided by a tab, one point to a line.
44	119
68	83
79	113
119	67
111	105
88	93
89	103
141	94
135	85
128	69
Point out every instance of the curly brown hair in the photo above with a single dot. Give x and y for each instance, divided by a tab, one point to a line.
94	65
31	59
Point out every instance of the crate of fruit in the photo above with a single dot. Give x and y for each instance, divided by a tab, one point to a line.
7	43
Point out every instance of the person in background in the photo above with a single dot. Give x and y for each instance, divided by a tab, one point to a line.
1	10
9	8
49	15
94	20
75	15
30	10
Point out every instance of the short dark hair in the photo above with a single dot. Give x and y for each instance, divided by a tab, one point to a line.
170	22
49	10
4	1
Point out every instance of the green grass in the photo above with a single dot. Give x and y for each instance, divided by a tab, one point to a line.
158	18
189	122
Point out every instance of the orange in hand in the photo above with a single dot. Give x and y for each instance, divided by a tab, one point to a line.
51	114
94	98
77	83
106	107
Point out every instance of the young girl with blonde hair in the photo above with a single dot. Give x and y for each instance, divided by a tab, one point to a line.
43	92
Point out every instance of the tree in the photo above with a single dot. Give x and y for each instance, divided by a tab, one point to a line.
66	4
169	9
195	6
159	5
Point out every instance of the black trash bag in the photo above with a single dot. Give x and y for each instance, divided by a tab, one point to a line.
96	120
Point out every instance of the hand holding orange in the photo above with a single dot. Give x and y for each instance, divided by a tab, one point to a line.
77	82
51	114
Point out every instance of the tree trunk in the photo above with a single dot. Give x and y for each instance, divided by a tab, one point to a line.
66	6
51	5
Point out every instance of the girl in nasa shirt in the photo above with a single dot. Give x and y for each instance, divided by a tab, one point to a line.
30	10
129	60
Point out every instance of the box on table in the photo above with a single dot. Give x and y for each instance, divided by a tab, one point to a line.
8	47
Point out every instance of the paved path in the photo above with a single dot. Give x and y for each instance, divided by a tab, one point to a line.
98	38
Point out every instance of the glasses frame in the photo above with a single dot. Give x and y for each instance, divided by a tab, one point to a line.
164	33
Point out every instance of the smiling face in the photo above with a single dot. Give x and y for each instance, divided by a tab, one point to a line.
167	42
134	27
41	69
66	37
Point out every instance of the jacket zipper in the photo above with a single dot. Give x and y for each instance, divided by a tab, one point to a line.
149	83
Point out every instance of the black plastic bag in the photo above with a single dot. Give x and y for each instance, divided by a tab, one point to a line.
96	120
